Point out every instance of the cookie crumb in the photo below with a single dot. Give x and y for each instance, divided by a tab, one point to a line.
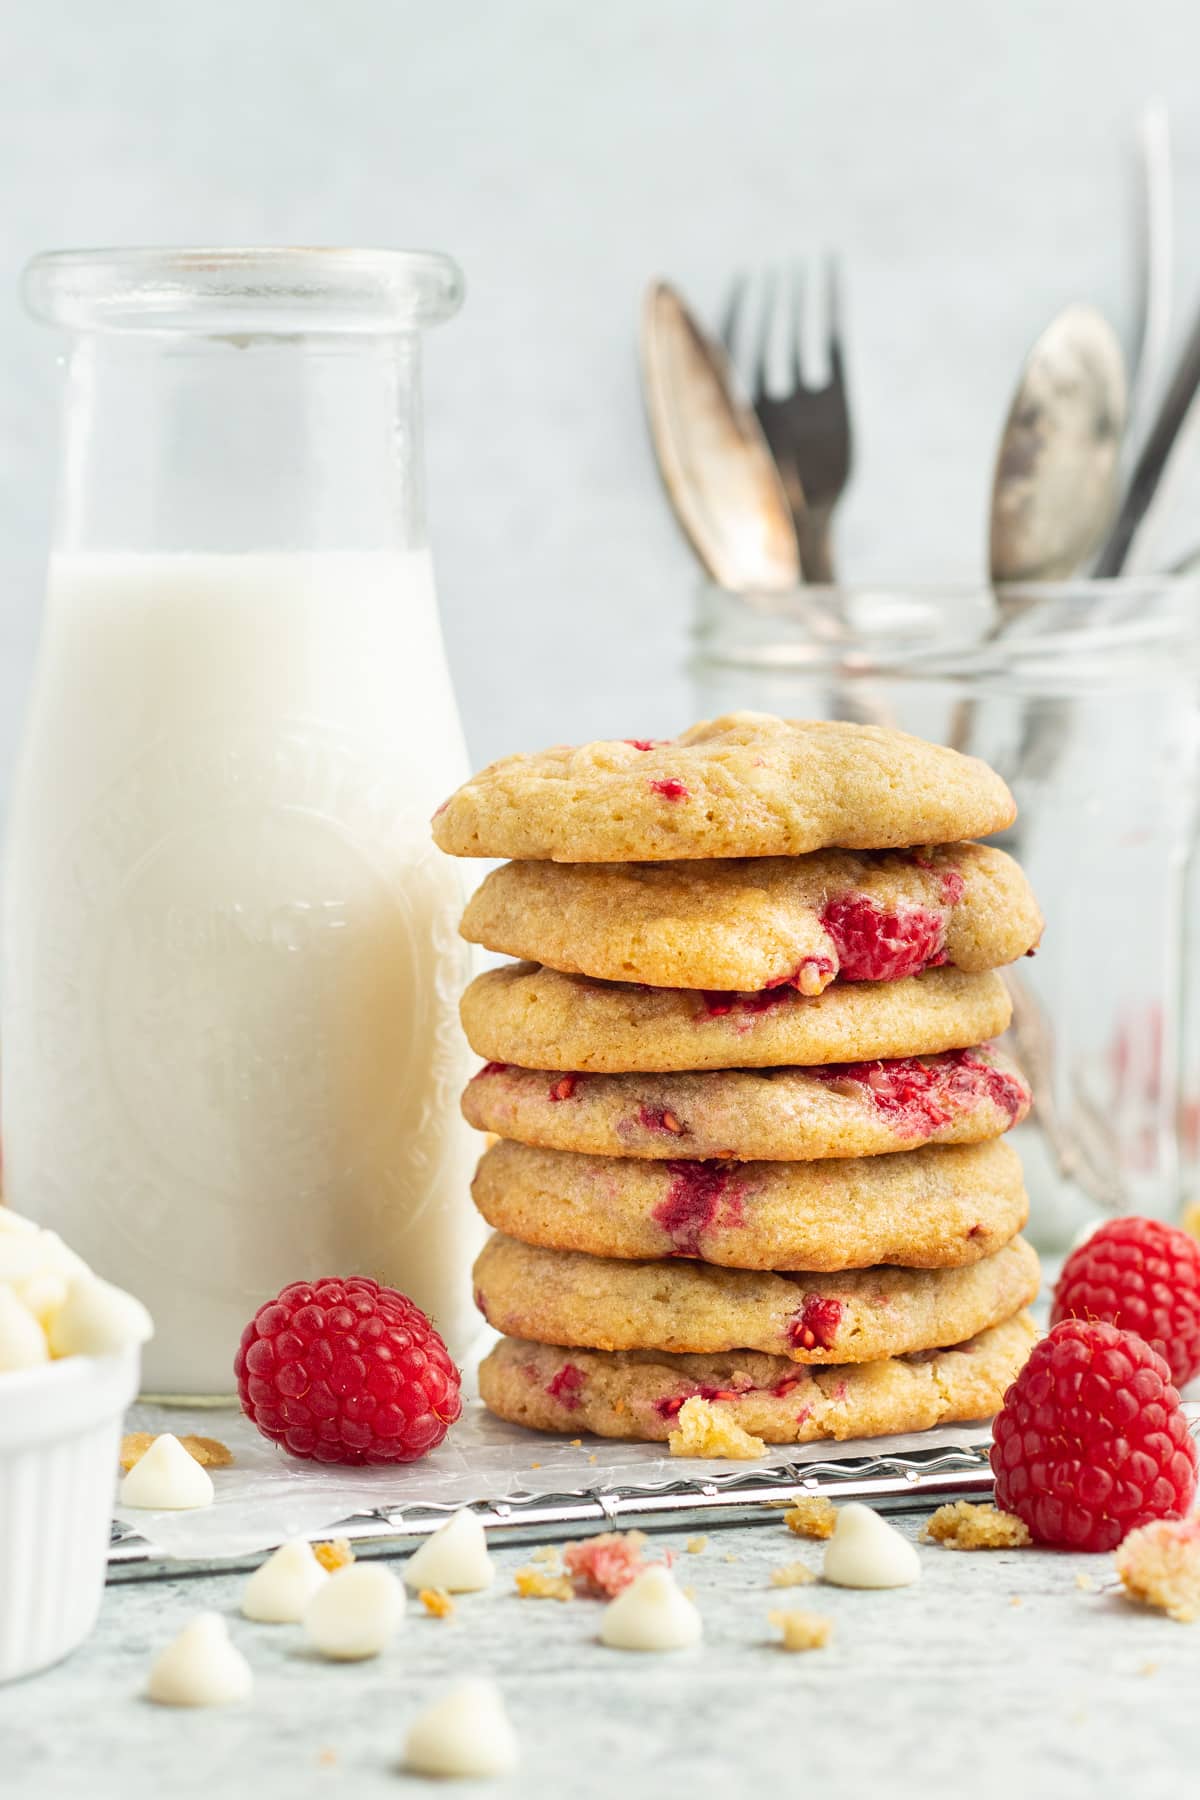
537	1584
793	1574
1084	1582
695	1545
802	1630
576	1444
535	1465
704	1430
437	1602
1148	1668
1015	1600
592	1458
210	1453
603	1566
964	1525
811	1516
327	1758
334	1554
1159	1565
548	1555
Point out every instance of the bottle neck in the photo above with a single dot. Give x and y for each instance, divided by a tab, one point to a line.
176	443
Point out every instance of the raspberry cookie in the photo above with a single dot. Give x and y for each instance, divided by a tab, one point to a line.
598	1303
749	784
749	925
779	1115
638	1393
542	1019
935	1208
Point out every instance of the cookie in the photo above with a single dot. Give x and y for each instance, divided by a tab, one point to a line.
779	1115
639	1393
935	1208
748	926
598	1303
748	784
542	1019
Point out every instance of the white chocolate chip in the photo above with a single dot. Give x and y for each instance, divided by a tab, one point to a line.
97	1319
866	1552
454	1559
22	1340
466	1732
167	1479
279	1591
651	1614
201	1667
356	1613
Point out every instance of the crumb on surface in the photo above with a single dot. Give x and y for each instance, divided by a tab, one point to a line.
1148	1668
695	1545
604	1565
437	1602
793	1574
548	1555
333	1554
811	1516
592	1458
964	1525
535	1465
576	1444
704	1429
802	1630
210	1453
1015	1600
730	1557
327	1757
1159	1565
1084	1582
1191	1218
539	1584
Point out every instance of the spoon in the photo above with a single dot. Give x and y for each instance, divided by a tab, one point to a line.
716	465
1055	481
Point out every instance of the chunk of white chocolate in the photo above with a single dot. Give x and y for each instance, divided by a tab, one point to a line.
465	1732
96	1319
22	1341
651	1614
455	1558
355	1613
167	1479
279	1591
866	1552
201	1667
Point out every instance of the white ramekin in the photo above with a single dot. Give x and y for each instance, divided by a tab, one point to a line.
60	1437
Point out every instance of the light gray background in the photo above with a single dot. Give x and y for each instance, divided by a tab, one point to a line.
970	161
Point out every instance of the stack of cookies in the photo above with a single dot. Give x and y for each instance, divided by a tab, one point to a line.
751	1126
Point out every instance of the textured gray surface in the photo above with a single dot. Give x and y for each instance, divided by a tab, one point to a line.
946	1687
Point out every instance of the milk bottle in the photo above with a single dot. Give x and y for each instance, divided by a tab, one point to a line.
231	1055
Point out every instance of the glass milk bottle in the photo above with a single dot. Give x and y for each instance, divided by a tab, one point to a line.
231	1053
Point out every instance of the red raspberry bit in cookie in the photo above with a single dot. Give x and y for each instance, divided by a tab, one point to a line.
481	1300
564	1087
874	945
786	1385
815	1325
645	743
718	1005
953	887
670	789
921	1095
566	1386
661	1118
694	1203
492	1068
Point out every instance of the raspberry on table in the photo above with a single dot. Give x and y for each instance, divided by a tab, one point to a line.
1143	1276
347	1371
1091	1441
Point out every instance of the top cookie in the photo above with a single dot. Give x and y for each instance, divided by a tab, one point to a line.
748	784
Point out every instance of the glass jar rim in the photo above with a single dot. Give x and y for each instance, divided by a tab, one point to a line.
265	291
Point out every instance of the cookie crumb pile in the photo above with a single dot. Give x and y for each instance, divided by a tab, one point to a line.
749	1185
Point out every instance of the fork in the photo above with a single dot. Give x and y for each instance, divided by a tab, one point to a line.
807	427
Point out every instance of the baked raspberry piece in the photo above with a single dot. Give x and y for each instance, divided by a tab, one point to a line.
1142	1276
1091	1441
347	1371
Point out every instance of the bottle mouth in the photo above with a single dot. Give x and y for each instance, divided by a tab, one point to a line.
258	292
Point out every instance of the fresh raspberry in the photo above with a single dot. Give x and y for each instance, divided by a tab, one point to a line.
1142	1276
347	1372
1091	1441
